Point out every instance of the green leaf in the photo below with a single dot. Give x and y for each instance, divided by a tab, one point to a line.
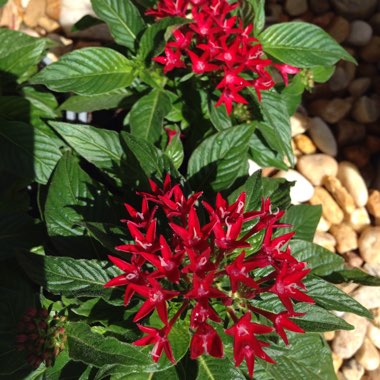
322	74
210	368
308	357
259	11
101	147
27	151
143	160
14	108
123	19
19	53
120	374
263	154
91	103
85	22
278	190
70	277
43	104
147	115
3	2
174	150
276	127
219	159
73	199
321	261
152	36
353	275
317	319
88	71
330	297
219	117
292	94
304	220
302	45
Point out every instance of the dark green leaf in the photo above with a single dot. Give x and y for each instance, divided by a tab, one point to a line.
330	297
304	220
278	190
19	53
78	103
276	126
322	74
319	259
353	275
292	94
27	151
147	115
152	36
123	19
210	368
174	150
101	147
89	71
302	45
219	118
219	159
73	199
259	11
307	358
70	277
85	22
15	108
43	104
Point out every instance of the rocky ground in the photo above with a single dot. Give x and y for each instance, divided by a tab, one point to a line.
336	139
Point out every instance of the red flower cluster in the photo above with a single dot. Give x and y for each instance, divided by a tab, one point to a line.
217	41
41	340
198	264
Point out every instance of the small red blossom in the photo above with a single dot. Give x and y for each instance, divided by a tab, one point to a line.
172	60
192	257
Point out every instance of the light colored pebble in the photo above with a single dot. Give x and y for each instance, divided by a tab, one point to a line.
330	209
353	259
302	191
365	110
368	356
352	180
316	166
323	225
360	33
358	219
337	361
372	375
345	236
352	370
304	144
253	167
299	123
369	245
323	137
373	334
368	296
325	240
329	335
339	193
373	204
346	343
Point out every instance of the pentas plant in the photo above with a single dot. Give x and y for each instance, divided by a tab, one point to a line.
207	268
217	42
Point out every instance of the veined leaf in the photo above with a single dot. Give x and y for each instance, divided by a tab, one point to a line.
101	147
27	151
219	159
70	277
330	297
89	71
302	45
123	19
356	275
74	198
148	113
278	190
19	53
319	259
210	368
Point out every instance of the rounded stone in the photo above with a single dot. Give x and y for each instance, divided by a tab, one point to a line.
373	204
358	219
330	209
302	191
345	236
304	144
346	343
352	180
373	334
325	240
368	356
339	29
371	52
299	123
365	110
316	166
333	110
355	8
349	131
323	137
296	7
369	245
360	33
359	86
352	370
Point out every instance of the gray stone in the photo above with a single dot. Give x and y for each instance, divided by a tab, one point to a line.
355	9
360	33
